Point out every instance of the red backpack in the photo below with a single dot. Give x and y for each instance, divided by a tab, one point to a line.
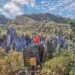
37	40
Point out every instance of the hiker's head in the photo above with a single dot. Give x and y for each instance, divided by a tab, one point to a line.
41	33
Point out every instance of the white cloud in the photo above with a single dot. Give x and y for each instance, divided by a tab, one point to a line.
59	7
20	1
71	7
24	2
14	7
1	10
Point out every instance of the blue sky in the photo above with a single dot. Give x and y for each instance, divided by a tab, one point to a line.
12	8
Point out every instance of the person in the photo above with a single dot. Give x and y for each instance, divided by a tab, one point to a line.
60	43
41	52
28	40
50	48
39	45
37	40
10	39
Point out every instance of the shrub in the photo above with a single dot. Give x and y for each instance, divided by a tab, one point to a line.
58	65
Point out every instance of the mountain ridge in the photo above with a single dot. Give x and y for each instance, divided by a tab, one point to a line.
33	18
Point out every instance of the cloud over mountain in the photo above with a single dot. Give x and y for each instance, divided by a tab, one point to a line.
12	8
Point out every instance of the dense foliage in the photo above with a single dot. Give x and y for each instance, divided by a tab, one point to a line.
60	65
11	62
63	64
